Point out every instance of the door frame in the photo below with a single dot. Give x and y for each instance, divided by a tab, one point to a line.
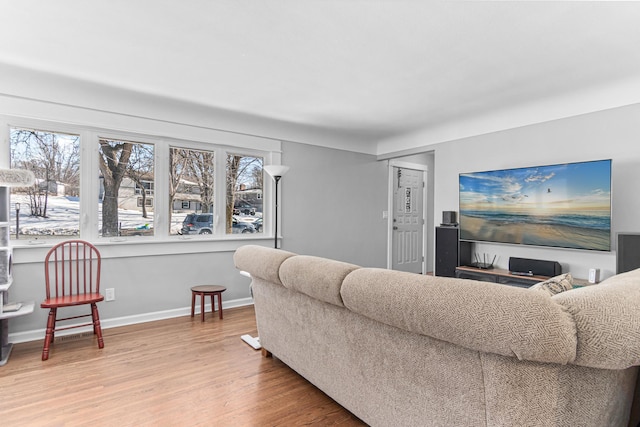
391	163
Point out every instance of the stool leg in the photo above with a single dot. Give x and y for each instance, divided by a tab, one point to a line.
193	303
202	297
219	303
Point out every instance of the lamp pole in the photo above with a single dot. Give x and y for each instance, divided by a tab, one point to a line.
17	220
276	172
275	234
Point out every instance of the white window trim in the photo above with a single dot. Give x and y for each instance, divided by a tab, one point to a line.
162	242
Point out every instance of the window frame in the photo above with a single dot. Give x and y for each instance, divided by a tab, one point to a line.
89	186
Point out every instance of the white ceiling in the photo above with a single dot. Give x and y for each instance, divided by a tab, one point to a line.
371	68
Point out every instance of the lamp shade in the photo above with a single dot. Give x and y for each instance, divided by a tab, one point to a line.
276	170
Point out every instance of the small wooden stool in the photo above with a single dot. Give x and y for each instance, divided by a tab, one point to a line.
204	290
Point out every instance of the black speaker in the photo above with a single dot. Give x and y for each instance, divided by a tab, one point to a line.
449	218
628	253
534	267
450	251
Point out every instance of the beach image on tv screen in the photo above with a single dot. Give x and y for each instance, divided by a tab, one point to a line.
565	205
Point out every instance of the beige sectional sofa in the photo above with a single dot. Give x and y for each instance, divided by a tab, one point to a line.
401	349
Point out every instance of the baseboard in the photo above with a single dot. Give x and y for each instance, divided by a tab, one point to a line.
38	334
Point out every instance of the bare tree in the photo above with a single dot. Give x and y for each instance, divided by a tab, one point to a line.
201	169
178	159
113	160
233	165
140	169
52	157
240	170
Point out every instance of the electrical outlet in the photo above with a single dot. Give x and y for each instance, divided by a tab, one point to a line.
110	294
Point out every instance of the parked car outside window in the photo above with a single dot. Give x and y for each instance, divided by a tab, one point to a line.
244	208
242	227
198	223
203	224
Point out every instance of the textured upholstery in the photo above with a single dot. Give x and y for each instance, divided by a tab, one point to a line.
261	262
412	350
607	318
477	315
319	278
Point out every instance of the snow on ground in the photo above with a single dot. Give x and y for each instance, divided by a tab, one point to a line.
63	217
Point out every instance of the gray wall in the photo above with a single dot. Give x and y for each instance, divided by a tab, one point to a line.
611	134
332	204
146	287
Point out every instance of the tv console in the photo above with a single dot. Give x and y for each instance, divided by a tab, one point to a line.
505	277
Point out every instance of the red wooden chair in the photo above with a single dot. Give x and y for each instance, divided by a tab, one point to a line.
72	276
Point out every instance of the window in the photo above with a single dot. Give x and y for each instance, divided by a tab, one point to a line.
49	208
147	186
244	194
124	167
100	184
191	184
147	202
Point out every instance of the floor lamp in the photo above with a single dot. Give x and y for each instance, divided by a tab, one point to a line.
276	172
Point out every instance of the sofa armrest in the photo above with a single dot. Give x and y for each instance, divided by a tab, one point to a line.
481	316
607	318
261	262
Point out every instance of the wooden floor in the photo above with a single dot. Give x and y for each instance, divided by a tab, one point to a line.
175	372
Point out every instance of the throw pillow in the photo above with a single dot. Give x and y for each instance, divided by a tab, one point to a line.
555	285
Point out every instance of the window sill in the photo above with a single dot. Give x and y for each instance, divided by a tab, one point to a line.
24	253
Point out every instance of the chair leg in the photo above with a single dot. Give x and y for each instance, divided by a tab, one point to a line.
96	324
48	336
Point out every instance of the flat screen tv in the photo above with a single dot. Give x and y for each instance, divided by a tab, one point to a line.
566	206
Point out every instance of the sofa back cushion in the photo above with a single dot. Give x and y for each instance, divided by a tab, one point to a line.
316	277
481	316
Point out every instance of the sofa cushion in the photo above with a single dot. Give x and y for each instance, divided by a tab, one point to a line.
261	262
481	316
316	277
554	285
607	317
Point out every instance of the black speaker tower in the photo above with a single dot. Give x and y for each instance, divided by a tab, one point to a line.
628	253
450	251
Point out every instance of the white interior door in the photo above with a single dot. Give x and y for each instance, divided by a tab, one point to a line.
408	220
